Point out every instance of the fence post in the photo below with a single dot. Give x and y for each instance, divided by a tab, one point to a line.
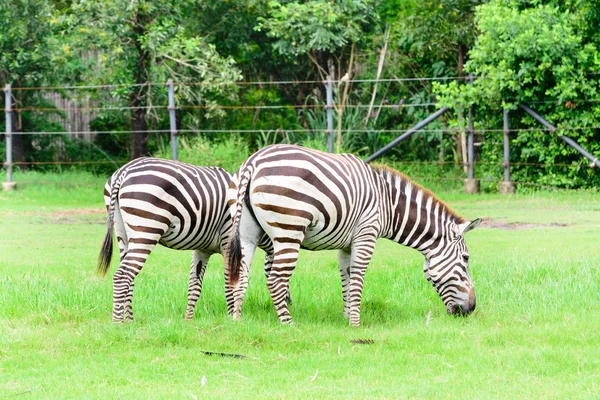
506	186
172	119
471	185
329	108
9	184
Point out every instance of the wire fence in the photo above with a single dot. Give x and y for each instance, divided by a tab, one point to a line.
329	108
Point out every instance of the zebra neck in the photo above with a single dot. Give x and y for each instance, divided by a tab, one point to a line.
417	218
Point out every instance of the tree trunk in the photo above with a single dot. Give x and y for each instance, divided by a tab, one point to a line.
139	136
18	145
139	96
462	145
461	59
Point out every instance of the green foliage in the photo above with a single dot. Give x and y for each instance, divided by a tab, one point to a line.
541	52
228	153
315	25
528	55
25	33
146	42
534	56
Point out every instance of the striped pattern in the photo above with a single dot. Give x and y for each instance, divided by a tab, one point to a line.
304	198
180	206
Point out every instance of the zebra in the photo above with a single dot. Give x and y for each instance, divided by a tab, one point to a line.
181	206
303	198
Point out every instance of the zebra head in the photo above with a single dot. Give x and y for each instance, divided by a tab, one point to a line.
447	268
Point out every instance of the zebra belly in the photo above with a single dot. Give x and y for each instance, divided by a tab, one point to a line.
179	237
299	221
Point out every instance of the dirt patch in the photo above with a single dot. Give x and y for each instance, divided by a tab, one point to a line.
512	226
64	220
76	216
55	214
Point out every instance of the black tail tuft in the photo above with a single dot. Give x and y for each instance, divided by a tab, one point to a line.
234	255
106	251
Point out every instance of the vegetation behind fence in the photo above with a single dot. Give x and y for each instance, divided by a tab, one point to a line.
251	73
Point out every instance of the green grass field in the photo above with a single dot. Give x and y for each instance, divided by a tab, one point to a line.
535	333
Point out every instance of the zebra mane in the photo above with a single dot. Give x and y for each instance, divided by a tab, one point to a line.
393	176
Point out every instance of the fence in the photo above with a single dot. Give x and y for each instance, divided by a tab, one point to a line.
471	185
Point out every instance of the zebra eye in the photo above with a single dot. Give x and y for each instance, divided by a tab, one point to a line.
465	257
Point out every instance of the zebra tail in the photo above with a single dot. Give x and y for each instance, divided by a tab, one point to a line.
106	251
234	251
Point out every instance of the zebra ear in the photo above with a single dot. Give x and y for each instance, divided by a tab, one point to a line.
468	226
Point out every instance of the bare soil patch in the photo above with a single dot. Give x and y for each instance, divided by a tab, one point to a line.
511	226
76	216
54	214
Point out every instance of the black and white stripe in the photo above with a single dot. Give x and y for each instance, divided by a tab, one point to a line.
304	198
178	205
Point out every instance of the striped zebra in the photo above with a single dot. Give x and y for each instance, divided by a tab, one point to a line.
178	205
304	198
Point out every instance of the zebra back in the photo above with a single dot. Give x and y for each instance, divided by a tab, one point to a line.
186	203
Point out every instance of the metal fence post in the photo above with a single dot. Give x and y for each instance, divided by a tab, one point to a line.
506	186
9	184
172	119
471	184
329	108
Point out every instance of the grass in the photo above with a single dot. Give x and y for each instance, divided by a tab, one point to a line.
535	332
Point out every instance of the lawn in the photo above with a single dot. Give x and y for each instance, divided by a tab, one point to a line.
535	333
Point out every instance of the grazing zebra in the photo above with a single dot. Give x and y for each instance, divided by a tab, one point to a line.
178	205
308	199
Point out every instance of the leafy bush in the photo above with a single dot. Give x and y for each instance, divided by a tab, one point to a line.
535	56
227	153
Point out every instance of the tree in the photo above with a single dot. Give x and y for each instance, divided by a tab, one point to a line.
25	57
534	55
142	43
319	29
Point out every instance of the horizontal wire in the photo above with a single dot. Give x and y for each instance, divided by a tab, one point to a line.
449	131
255	107
217	107
105	86
243	83
494	181
89	108
412	177
67	162
434	163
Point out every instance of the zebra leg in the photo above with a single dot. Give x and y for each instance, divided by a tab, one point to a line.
250	234
199	262
278	282
122	240
266	245
239	291
131	265
359	260
344	264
